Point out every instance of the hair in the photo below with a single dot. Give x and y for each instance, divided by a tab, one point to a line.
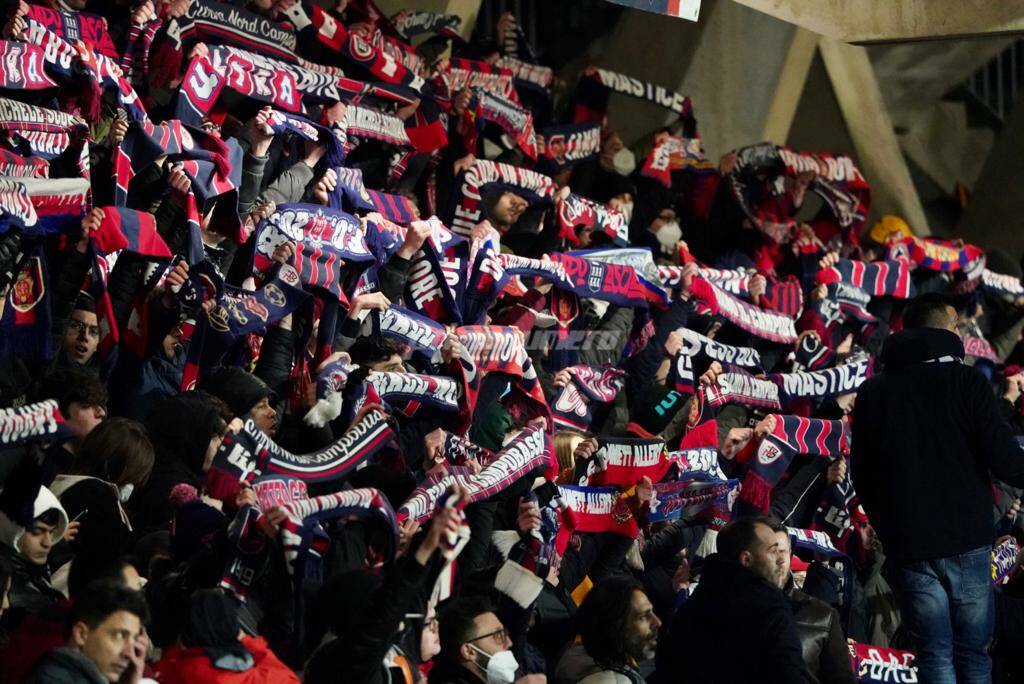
51	517
117	450
927	311
455	620
564	447
70	385
601	619
367	350
85	302
91	568
101	599
741	535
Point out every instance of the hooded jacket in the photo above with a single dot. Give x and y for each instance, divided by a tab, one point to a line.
30	584
927	434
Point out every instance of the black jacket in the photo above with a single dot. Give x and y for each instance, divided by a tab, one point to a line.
926	434
65	666
826	655
733	612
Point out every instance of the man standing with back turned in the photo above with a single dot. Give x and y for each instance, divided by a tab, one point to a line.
926	434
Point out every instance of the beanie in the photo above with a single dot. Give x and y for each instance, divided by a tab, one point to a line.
237	388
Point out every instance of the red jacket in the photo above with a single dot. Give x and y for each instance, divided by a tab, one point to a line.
192	666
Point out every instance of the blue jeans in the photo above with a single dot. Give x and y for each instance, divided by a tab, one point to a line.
950	606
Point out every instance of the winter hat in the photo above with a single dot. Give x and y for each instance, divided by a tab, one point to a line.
181	427
213	625
11	531
194	524
887	226
434	50
239	389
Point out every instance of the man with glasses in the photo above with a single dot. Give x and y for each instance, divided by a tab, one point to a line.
82	336
476	646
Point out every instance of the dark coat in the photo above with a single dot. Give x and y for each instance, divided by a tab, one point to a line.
927	433
65	666
732	611
826	655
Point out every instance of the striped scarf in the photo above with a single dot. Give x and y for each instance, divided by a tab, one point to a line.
530	450
467	73
532	186
674	153
207	21
573	407
517	122
697	347
559	147
40	421
790	435
879	279
575	211
624	461
765	324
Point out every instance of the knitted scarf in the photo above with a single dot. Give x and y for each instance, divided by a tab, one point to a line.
130	229
281	122
836	180
467	73
880	664
672	154
419	332
437	275
413	22
575	211
559	147
1004	560
825	383
42	206
437	392
674	499
235	315
588	278
878	279
76	26
280	84
352	195
371	124
330	381
517	122
764	324
812	354
376	60
25	324
623	461
207	21
22	67
532	186
704	350
734	281
790	435
39	421
697	458
323	238
741	388
596	84
535	77
572	407
495	348
37	131
593	509
999	284
940	255
249	453
531	449
12	164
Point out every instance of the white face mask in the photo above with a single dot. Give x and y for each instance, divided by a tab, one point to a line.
627	210
600	307
125	492
669	234
501	667
624	161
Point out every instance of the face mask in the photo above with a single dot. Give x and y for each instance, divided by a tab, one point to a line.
600	307
669	234
501	667
124	493
624	162
627	211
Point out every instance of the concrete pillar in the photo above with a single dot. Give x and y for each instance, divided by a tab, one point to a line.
871	130
995	214
863	21
802	49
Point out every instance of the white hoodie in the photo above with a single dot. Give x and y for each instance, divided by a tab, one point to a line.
11	532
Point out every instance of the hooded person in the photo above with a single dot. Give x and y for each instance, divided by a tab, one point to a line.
214	648
186	431
245	394
27	549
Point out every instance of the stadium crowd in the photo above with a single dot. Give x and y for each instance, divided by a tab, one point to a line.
337	347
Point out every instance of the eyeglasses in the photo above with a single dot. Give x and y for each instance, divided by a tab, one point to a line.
500	635
83	327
